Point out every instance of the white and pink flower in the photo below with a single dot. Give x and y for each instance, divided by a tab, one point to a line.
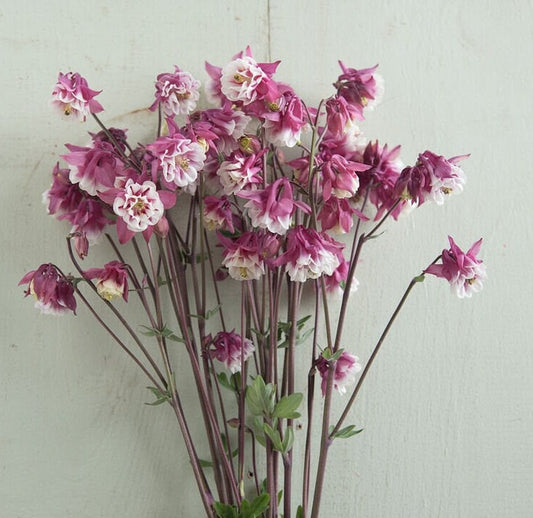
177	93
243	257
232	350
72	96
111	280
346	368
464	271
240	171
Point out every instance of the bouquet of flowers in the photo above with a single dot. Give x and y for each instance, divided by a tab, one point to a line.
218	229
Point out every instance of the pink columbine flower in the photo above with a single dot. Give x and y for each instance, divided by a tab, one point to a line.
340	177
111	280
177	93
433	177
231	349
179	158
346	367
243	257
72	95
464	271
284	119
240	171
361	88
244	80
272	208
340	115
96	167
140	208
54	293
337	215
309	254
217	213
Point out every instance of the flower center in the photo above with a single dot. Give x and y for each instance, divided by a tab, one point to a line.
182	162
239	78
139	206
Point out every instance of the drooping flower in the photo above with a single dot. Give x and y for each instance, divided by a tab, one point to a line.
339	177
177	93
231	349
337	215
336	283
53	292
361	88
272	207
140	208
72	95
96	167
464	271
242	256
179	158
433	177
309	254
217	213
340	115
111	280
346	367
240	171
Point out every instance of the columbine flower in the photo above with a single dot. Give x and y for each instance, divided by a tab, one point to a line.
340	177
242	256
140	207
464	272
54	294
72	95
231	349
361	88
433	177
346	367
309	254
180	159
112	280
272	208
239	172
217	213
177	93
244	80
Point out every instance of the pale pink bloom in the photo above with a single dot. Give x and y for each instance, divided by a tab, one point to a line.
346	367
217	213
243	257
72	95
309	254
339	177
433	177
96	167
177	93
340	116
285	119
272	207
179	158
140	208
240	172
336	283
111	280
232	350
361	88
464	271
243	80
54	293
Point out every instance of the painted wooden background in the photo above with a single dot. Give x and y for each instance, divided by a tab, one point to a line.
448	410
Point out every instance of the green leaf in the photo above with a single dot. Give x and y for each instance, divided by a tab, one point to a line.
259	504
161	396
344	433
419	278
287	406
300	512
329	355
226	382
274	436
224	510
260	397
208	313
205	463
288	440
165	332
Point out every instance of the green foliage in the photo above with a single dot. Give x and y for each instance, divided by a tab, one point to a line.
165	332
287	405
252	509
331	356
208	313
284	330
161	396
261	397
344	433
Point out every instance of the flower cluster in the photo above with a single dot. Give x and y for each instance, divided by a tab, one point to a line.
257	189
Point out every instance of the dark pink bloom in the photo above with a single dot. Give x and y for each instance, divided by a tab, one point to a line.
340	115
119	137
231	349
361	88
346	367
218	214
243	256
433	177
111	280
96	168
336	214
464	271
309	254
272	207
339	177
72	95
54	293
177	93
81	244
240	171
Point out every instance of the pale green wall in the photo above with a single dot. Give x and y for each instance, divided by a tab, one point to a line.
447	412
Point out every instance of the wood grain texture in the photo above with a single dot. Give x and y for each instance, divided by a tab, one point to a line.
447	411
